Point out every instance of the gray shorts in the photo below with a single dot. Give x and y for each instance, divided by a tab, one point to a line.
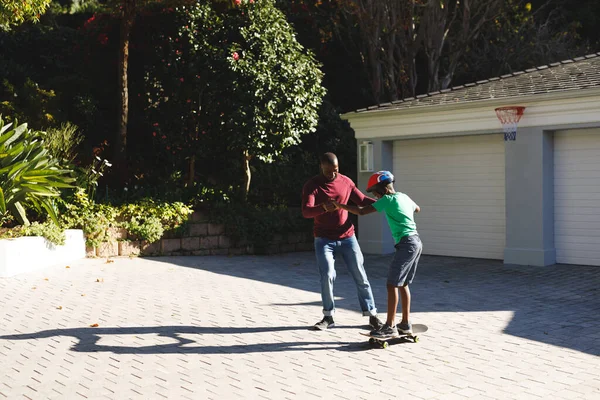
404	265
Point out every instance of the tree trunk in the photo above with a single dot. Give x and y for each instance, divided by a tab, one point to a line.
247	174
191	171
127	20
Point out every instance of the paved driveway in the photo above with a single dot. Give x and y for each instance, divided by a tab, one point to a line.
236	327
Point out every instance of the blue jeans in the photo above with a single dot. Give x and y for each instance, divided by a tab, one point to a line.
326	251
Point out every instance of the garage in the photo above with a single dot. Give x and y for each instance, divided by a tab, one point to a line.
577	196
460	183
533	199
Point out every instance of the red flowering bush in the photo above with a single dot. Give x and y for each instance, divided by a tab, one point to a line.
232	83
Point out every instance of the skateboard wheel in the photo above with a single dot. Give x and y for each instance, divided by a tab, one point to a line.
416	339
371	340
384	345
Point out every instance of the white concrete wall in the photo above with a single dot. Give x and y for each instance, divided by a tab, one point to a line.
27	254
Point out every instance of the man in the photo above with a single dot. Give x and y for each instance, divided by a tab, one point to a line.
334	235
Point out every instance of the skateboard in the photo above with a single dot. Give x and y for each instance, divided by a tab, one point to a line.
383	341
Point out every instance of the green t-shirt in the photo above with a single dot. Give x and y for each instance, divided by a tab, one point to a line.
399	210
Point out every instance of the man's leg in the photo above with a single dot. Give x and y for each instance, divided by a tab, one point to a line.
326	263
354	260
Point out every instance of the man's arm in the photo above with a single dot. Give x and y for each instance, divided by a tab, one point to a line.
356	209
310	210
359	198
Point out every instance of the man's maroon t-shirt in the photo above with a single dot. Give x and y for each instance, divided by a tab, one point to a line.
334	225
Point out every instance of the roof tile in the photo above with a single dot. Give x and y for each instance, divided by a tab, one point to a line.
579	73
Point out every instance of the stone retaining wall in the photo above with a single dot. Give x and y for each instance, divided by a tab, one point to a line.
202	239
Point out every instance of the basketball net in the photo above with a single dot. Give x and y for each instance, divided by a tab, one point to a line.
509	117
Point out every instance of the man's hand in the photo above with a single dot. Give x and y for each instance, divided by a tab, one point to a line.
337	205
329	206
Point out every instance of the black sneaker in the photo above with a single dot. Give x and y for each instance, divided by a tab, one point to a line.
325	323
405	328
375	322
385	331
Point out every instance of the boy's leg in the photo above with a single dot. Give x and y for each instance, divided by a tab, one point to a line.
354	260
392	292
405	296
401	274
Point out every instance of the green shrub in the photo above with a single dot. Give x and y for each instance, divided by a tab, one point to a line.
79	212
258	224
170	215
48	230
149	228
62	142
29	175
144	220
29	102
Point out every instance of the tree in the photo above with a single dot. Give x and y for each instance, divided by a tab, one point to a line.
580	16
14	12
523	36
127	10
393	35
241	83
384	34
446	29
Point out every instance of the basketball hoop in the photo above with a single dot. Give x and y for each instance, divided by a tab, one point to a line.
509	117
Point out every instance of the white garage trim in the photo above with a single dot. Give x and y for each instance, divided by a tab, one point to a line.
552	111
459	182
577	196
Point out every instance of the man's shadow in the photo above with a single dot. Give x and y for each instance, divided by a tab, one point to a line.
88	338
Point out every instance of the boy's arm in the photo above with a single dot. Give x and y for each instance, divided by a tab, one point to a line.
355	209
417	208
359	198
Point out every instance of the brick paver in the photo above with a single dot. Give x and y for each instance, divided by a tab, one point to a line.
236	327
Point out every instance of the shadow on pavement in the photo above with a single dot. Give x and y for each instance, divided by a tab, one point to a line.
557	305
88	338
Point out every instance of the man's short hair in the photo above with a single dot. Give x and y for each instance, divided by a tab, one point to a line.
328	158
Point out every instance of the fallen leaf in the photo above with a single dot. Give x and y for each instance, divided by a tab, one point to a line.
100	280
59	308
67	266
83	295
46	279
34	287
108	261
94	325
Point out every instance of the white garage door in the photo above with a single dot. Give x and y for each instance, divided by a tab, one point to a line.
459	184
577	196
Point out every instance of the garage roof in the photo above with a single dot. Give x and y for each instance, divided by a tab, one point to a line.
576	74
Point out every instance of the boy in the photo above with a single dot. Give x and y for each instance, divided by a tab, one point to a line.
399	210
